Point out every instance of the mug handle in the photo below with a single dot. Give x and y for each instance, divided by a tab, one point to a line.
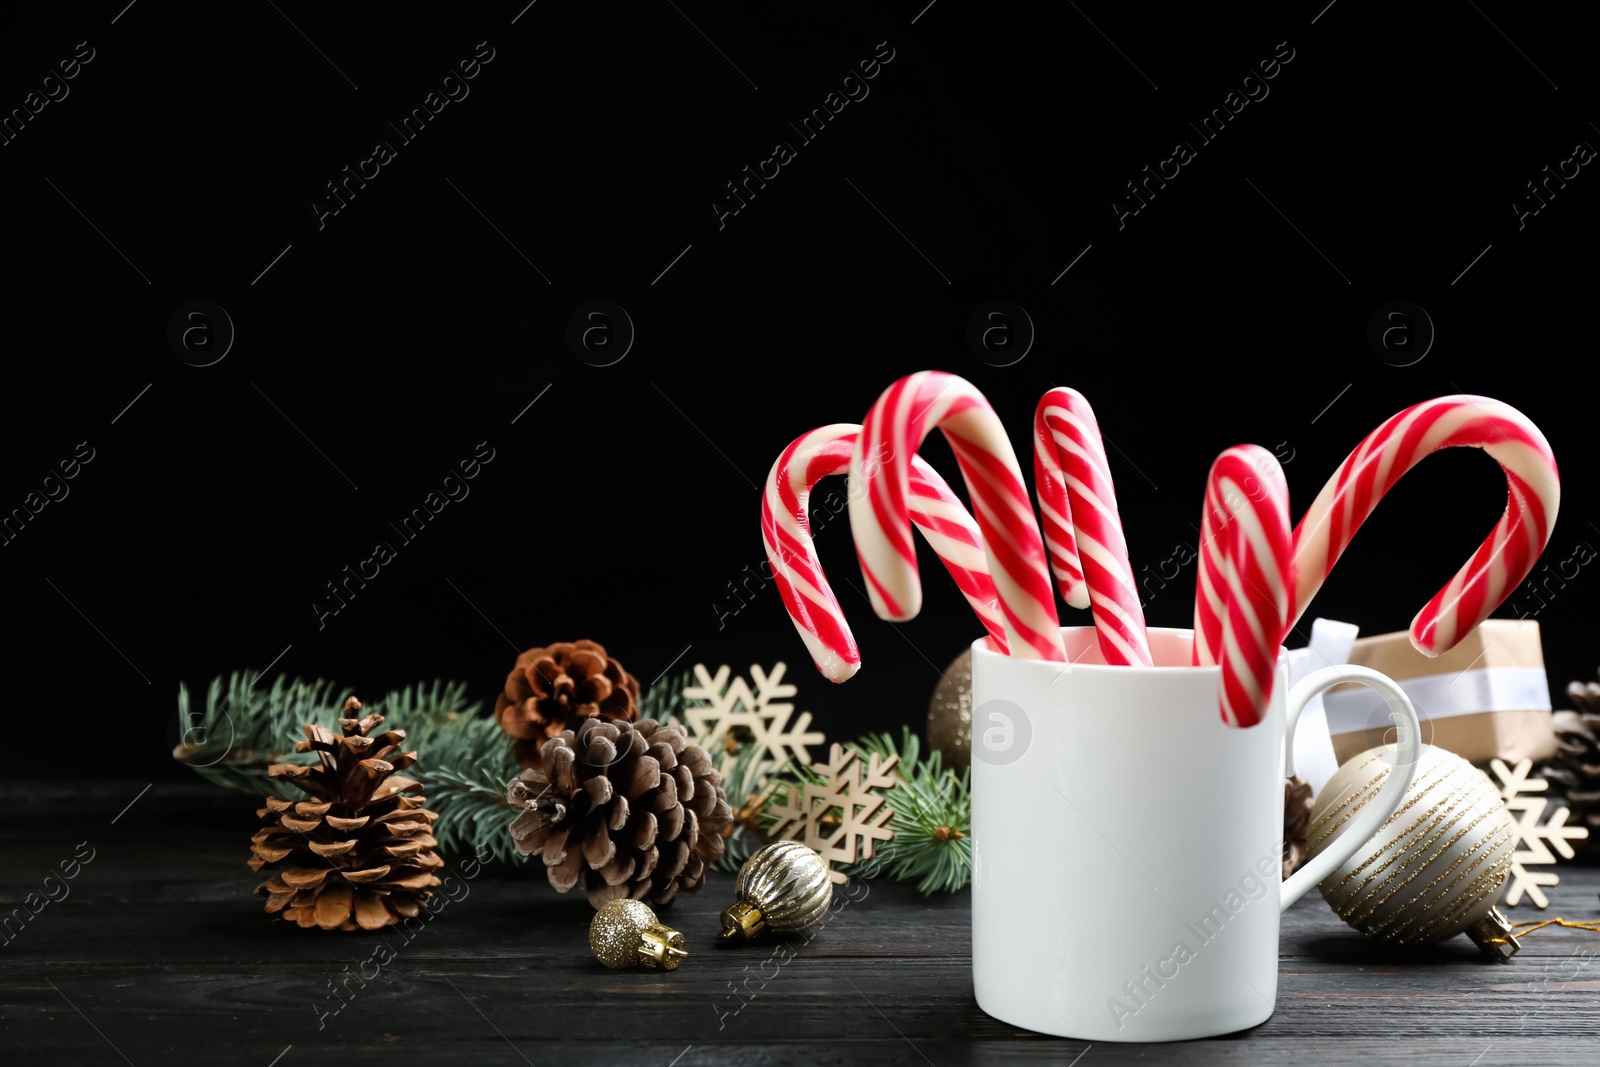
1373	815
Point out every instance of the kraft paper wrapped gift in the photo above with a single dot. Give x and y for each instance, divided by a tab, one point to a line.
1486	698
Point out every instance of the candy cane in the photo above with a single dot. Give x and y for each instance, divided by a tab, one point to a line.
1503	560
880	517
797	570
1082	530
1246	580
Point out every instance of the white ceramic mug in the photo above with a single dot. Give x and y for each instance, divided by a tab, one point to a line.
1127	844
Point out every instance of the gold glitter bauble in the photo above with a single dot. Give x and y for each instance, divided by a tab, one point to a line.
950	714
783	887
1436	867
625	933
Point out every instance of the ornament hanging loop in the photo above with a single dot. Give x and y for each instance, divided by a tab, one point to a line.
1506	933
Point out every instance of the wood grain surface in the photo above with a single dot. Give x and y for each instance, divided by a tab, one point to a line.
158	954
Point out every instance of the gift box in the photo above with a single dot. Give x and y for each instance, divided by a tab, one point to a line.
1486	698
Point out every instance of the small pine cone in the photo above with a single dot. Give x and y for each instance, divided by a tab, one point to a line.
1296	822
1585	696
1574	772
550	687
634	808
359	854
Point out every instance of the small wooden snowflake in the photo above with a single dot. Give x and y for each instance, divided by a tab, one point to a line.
1534	840
717	705
832	816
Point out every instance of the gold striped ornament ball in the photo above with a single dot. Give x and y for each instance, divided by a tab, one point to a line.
1436	867
783	887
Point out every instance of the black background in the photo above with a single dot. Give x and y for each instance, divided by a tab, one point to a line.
407	329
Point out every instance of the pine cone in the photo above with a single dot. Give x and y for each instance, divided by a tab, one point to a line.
633	807
1296	822
1575	769
549	687
358	854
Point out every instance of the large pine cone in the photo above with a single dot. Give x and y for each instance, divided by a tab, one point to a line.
550	687
635	808
358	854
1575	769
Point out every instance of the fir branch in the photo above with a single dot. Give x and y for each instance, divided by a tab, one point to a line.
742	776
741	845
474	814
464	762
664	700
932	826
246	727
744	782
425	702
932	820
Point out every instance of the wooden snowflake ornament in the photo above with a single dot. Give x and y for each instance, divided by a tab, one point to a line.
834	815
1534	841
714	706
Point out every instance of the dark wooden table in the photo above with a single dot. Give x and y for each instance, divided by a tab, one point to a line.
158	954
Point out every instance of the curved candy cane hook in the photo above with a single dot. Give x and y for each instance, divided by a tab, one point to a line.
880	516
1503	560
786	533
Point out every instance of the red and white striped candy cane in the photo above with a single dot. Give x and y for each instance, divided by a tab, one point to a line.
880	516
1246	580
797	571
1082	529
1503	560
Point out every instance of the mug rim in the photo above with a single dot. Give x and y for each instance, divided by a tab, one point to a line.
980	647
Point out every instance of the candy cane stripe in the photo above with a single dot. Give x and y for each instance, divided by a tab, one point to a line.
1506	556
797	570
1083	532
901	418
1246	580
